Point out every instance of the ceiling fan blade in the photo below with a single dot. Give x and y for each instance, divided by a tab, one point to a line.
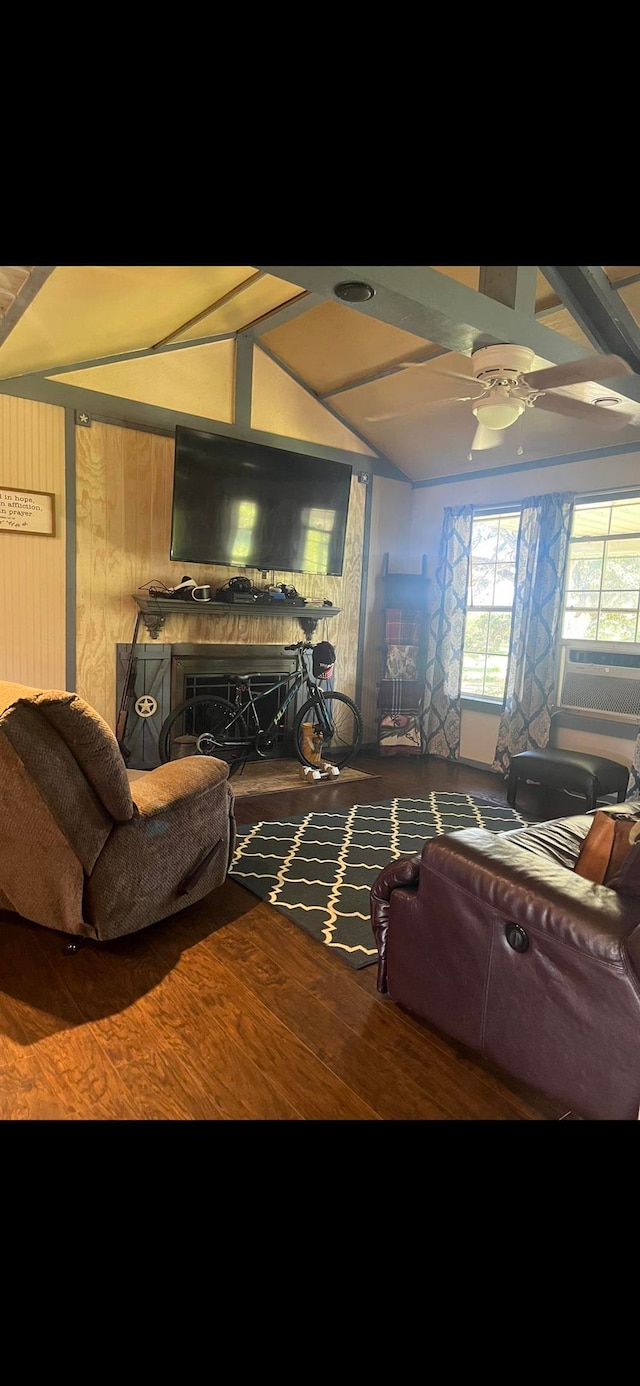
485	438
606	416
413	365
428	361
458	375
576	372
415	408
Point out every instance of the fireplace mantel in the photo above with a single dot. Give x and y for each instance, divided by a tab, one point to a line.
155	610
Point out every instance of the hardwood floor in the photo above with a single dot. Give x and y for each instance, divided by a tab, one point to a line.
228	1012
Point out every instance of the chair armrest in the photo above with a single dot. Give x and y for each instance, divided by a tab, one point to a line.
179	779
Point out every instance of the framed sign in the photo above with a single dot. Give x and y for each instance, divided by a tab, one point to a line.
27	512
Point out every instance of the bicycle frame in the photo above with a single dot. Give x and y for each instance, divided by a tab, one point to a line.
328	723
298	679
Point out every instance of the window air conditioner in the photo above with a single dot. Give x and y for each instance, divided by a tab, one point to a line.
602	678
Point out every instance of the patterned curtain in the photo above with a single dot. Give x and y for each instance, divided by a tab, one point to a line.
446	635
543	543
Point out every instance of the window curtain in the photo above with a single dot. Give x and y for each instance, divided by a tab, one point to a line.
446	635
543	544
633	787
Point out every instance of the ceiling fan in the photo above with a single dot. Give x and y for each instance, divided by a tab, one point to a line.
508	387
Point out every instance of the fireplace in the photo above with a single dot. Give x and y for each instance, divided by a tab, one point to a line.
216	669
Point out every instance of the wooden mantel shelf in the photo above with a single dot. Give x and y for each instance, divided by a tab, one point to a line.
155	610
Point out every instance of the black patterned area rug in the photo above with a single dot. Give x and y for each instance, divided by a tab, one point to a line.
318	868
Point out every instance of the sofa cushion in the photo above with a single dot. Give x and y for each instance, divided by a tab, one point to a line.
558	840
609	855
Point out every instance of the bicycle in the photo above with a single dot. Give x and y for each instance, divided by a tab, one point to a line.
211	726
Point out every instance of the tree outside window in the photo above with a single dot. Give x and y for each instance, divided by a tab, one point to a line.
602	589
492	569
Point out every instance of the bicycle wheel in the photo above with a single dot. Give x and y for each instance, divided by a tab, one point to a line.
342	740
199	727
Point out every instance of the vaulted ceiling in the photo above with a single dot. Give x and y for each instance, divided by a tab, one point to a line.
381	370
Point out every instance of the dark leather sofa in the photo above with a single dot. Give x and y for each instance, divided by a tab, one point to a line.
493	940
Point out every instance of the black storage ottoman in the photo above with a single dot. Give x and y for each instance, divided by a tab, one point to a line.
576	771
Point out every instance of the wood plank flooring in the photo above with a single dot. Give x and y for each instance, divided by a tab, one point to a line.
229	1012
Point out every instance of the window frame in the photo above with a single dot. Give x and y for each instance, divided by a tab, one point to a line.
488	512
592	499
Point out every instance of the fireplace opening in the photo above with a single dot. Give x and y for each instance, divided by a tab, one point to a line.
218	670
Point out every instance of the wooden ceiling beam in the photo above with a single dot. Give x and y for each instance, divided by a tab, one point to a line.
275	317
211	308
598	309
513	285
23	298
435	307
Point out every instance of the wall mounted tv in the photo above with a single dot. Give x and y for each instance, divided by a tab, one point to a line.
247	505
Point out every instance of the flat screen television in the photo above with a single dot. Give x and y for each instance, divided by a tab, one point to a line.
247	505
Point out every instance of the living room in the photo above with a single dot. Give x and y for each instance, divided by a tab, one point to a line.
90	422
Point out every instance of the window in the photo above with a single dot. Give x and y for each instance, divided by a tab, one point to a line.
492	568
602	590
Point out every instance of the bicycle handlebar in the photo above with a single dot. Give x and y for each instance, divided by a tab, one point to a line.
301	645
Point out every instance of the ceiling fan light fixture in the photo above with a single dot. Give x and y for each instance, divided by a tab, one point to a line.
498	409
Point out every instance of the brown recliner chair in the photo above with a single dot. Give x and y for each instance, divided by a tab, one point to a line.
84	849
494	940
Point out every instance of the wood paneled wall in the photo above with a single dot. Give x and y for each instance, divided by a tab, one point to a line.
124	482
32	566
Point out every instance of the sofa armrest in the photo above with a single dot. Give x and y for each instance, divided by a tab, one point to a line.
404	871
539	895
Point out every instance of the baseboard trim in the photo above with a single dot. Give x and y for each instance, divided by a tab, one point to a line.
480	765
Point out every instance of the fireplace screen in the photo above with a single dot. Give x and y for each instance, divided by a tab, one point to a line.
218	670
